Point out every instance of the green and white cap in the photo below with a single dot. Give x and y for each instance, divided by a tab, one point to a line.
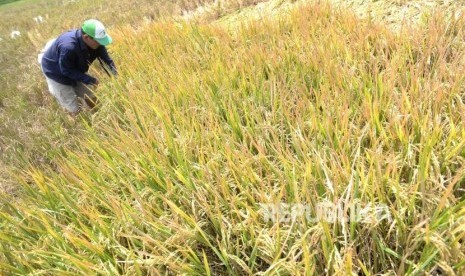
96	30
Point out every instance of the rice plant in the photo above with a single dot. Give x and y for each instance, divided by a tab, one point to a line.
264	148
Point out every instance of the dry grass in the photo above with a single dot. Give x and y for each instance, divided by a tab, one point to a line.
398	13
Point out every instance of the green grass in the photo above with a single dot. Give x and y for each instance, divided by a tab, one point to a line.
2	2
205	123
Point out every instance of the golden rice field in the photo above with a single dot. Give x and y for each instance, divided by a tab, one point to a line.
313	142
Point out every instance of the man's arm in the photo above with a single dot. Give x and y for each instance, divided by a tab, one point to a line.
103	55
66	62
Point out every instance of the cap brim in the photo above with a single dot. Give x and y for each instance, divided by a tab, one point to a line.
104	41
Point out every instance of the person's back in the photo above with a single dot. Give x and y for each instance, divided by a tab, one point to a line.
51	58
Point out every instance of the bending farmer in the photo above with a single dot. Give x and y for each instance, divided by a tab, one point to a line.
66	60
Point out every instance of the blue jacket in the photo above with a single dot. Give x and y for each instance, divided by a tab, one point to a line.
68	59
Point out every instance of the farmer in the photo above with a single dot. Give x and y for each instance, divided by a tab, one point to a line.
66	60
